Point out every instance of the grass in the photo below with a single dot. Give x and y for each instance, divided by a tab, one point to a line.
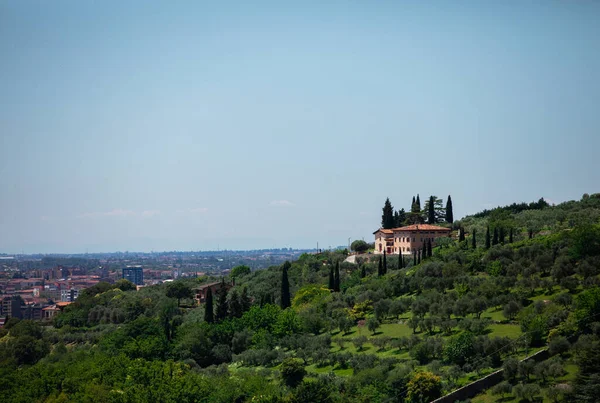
505	330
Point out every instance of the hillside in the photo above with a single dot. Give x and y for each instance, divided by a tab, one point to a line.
352	332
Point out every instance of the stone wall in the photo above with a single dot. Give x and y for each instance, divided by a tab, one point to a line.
480	385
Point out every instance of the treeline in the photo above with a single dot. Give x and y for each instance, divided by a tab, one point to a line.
433	212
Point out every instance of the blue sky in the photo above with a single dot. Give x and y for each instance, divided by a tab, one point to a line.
202	125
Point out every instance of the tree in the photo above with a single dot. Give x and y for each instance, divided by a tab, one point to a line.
501	235
292	372
414	258
400	217
431	211
235	304
336	277
429	248
487	238
400	259
461	234
331	279
359	246
245	300
239	271
285	286
510	235
222	306
125	285
373	324
511	309
179	290
495	238
387	219
418	204
208	307
419	256
359	341
384	268
474	239
449	213
363	271
503	388
424	387
380	267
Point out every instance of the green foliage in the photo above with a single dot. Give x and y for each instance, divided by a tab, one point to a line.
387	218
359	246
292	372
179	290
239	271
460	348
424	387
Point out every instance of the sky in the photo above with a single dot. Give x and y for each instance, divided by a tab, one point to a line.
195	125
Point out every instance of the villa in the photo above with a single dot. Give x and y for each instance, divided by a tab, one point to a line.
409	239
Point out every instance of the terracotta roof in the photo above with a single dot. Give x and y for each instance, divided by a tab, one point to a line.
385	231
422	227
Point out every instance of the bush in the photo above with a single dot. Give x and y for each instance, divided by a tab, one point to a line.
292	372
424	387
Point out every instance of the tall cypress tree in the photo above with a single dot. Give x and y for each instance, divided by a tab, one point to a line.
363	271
418	204
429	249
384	268
331	279
245	300
235	305
336	277
209	315
495	237
285	286
461	234
400	259
474	239
400	218
431	211
449	213
414	257
501	235
387	218
487	238
380	267
413	205
419	255
510	236
222	307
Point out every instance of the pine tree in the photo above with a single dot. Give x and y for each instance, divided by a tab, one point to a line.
380	267
510	236
384	268
431	211
245	300
331	279
285	286
363	271
487	238
387	219
222	307
449	213
400	260
495	237
235	305
474	239
209	315
336	277
501	235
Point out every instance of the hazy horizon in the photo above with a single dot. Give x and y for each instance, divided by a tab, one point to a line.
195	125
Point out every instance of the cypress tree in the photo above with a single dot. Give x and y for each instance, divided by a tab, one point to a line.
401	217
449	213
431	211
414	257
495	238
222	308
336	277
418	204
331	279
245	300
429	249
384	269
487	238
501	236
285	286
380	267
461	234
387	218
235	305
400	259
419	255
363	272
413	205
510	236
209	316
474	239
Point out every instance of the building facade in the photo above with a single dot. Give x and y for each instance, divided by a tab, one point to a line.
135	274
409	239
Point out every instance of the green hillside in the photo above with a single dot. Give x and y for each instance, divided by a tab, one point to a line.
320	329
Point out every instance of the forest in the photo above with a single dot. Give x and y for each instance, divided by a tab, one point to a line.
513	281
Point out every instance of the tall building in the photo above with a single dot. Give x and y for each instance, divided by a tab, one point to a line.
135	274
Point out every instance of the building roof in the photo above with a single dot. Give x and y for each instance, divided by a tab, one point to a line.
414	227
